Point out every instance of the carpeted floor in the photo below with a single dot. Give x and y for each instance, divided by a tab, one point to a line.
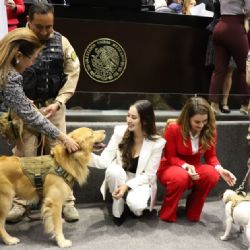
96	231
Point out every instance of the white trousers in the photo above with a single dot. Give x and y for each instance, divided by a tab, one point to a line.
137	199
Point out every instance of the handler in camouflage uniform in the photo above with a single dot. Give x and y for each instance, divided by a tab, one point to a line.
50	82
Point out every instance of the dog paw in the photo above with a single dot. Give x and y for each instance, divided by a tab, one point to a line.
11	241
223	237
65	243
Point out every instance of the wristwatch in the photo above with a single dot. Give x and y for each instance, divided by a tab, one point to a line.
59	103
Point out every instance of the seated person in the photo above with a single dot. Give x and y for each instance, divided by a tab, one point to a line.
170	6
190	138
160	4
187	5
175	6
132	158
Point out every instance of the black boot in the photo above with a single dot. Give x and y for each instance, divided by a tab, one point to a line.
119	220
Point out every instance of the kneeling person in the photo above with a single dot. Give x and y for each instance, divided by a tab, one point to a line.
132	157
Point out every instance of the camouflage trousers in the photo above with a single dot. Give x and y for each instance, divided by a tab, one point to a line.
29	144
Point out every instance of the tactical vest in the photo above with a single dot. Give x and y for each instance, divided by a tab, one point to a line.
236	199
45	77
37	168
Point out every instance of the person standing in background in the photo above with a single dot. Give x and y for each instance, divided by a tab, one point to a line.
222	106
230	39
14	9
18	50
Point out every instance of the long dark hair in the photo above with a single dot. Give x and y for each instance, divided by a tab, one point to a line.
147	118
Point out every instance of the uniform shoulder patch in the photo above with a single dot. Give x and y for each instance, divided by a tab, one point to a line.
73	55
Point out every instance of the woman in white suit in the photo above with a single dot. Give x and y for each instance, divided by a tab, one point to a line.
132	157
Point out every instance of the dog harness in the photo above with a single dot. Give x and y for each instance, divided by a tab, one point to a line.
236	199
37	168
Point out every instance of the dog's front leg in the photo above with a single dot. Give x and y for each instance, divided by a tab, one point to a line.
51	212
55	192
6	197
7	239
229	222
60	239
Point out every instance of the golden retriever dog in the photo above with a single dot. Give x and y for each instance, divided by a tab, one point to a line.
13	182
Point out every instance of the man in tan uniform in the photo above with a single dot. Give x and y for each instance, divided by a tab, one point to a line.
50	83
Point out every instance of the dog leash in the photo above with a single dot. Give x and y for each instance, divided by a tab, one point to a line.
240	189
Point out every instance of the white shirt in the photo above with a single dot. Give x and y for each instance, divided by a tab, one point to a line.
195	148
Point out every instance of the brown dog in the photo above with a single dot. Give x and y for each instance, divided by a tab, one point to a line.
55	190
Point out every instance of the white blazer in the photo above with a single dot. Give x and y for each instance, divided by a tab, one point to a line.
149	160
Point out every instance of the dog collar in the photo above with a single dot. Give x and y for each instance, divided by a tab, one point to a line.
69	179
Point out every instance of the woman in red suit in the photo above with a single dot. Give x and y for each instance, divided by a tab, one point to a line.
14	9
189	138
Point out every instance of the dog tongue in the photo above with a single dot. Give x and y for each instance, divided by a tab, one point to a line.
99	146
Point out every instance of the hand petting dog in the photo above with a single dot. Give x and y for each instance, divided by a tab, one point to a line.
70	144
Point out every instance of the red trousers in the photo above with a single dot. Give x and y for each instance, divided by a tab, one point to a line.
176	181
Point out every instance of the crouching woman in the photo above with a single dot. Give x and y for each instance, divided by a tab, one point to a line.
190	138
132	157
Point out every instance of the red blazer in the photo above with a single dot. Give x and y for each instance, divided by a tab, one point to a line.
176	153
12	15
